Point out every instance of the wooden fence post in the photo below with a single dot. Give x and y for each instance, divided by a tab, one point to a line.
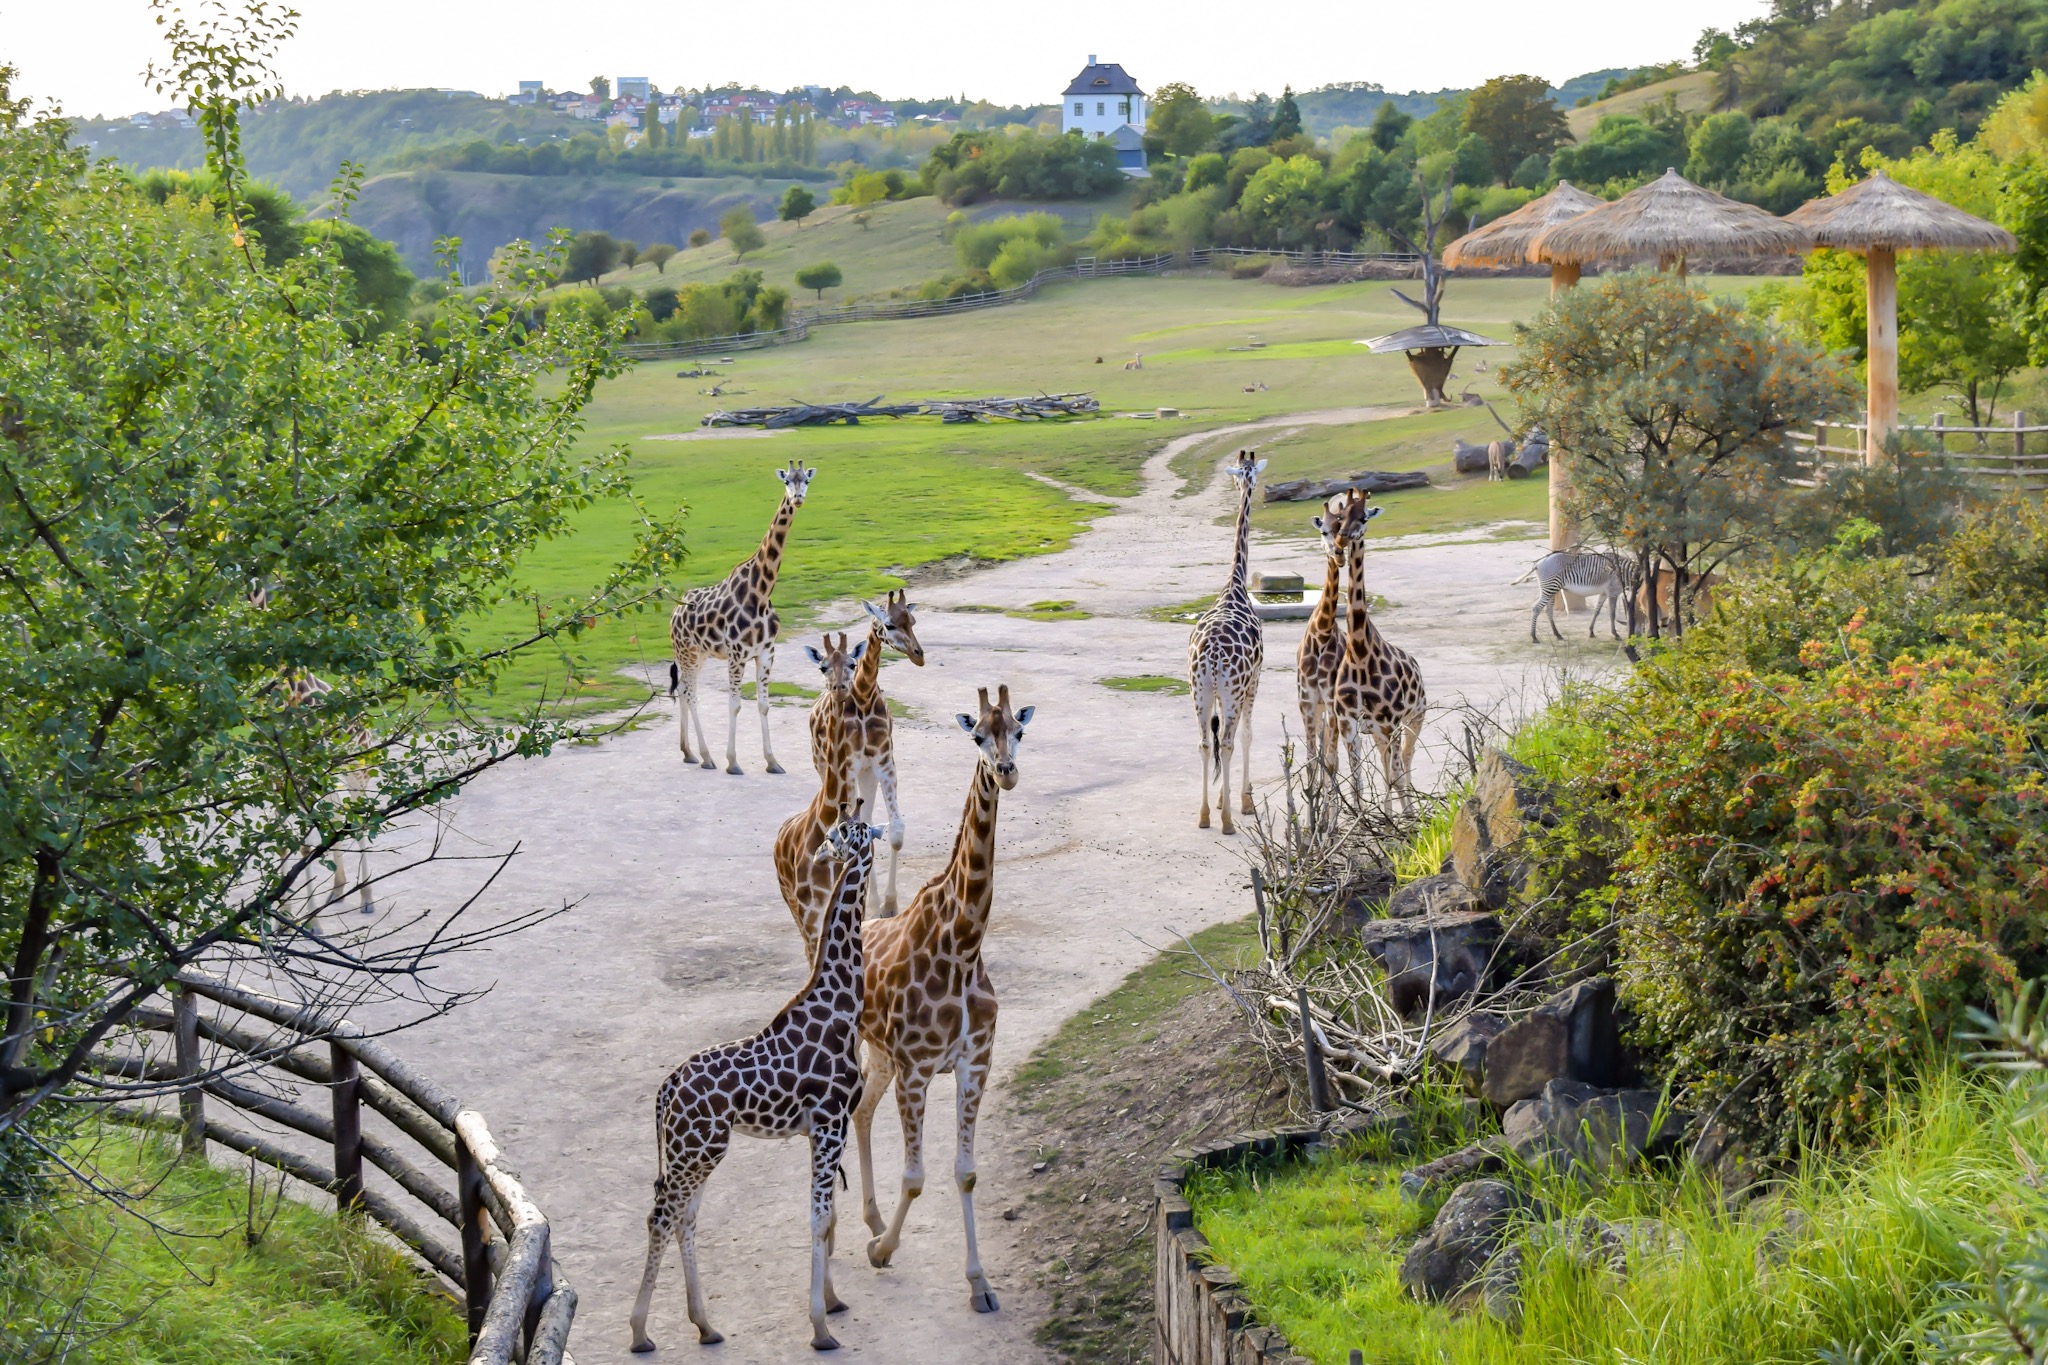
348	1128
1940	426
1312	1053
2019	440
543	1288
476	1263
185	1045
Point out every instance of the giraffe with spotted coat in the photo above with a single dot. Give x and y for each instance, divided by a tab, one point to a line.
1225	652
1321	652
930	1006
863	707
735	620
805	882
1379	686
798	1076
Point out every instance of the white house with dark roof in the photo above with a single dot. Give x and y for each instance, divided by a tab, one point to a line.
1102	99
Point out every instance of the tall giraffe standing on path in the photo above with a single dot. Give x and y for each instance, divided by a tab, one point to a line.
1321	651
866	711
1225	653
807	883
735	620
1379	687
930	1006
799	1075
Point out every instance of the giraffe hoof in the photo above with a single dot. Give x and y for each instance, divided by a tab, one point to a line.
984	1302
642	1346
877	1257
835	1307
708	1337
735	770
822	1342
707	763
1247	808
1203	823
775	767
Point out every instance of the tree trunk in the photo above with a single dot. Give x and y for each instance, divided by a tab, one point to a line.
1432	367
1883	343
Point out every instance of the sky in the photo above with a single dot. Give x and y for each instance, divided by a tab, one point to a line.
89	54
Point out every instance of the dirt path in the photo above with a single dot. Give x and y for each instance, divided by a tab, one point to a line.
680	939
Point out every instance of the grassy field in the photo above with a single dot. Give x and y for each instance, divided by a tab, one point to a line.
890	496
226	1275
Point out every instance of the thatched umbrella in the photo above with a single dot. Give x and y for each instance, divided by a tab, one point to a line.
1666	221
1505	240
1880	218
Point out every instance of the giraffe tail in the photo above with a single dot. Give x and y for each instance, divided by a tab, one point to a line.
1216	742
675	678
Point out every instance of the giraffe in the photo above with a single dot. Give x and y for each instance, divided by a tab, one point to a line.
1321	650
1379	688
806	883
735	620
894	624
930	1006
800	1074
1225	652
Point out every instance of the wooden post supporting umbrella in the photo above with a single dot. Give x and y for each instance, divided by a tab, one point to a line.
1879	217
1505	241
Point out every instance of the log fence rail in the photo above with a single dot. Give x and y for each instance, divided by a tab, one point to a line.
517	1309
1997	452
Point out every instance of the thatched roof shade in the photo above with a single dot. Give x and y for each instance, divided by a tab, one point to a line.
1669	218
1505	240
1424	337
1880	212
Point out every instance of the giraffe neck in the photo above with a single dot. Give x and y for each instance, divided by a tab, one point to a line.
769	556
970	876
1323	621
838	965
1241	556
1361	638
836	783
867	674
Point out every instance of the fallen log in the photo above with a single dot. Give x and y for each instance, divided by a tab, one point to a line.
810	414
1367	481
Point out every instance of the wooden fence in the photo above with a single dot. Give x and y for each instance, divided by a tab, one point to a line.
517	1309
1988	452
886	310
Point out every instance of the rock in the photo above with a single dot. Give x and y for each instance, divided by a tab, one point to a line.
1724	1158
1499	1288
1507	801
1462	1047
1470	1228
1363	899
1579	1127
1481	1158
1785	1226
1368	480
1439	893
1574	1035
1449	953
1278	582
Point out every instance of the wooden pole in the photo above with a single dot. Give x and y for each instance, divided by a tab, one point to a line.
1564	532
476	1262
1883	337
1312	1054
348	1130
185	1043
1563	275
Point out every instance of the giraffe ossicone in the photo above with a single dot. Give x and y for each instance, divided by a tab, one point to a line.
800	1075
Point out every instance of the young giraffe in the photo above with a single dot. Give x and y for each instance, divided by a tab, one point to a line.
1225	653
735	620
801	1074
930	1006
1321	651
1379	688
874	733
806	883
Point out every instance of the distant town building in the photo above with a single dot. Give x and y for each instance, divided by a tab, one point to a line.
1102	99
530	92
864	114
630	88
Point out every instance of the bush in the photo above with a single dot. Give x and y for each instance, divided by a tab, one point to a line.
987	163
978	244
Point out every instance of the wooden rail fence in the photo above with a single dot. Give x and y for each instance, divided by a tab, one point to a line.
1991	452
518	1310
1087	268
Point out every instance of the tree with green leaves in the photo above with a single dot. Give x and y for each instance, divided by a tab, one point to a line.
1517	119
1179	122
1389	126
1286	117
798	203
658	256
382	285
1673	411
601	89
629	253
740	231
218	485
590	255
700	237
822	276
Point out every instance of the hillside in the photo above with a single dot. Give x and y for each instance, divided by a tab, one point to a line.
1694	92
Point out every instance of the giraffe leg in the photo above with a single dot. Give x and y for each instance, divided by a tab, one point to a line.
910	1097
678	1192
735	679
1244	737
1225	739
874	1083
363	892
707	1335
885	773
827	1145
1205	706
1412	729
971	1077
764	664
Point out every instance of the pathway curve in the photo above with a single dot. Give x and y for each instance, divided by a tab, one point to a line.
680	939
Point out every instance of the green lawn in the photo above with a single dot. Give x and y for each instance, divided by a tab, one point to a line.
309	1290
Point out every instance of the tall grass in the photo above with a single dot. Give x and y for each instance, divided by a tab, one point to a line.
1883	1252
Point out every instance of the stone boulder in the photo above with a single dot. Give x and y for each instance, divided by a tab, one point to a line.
1462	1047
1451	954
1508	801
1577	1127
1592	1243
1362	898
1485	1157
1573	1035
1469	1231
1437	894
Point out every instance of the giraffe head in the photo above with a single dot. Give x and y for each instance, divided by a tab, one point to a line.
852	839
1245	469
796	481
997	734
1329	526
836	661
897	621
1358	509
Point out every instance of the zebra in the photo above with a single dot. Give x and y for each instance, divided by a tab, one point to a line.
1592	573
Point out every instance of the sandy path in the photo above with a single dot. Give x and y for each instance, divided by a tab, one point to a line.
680	939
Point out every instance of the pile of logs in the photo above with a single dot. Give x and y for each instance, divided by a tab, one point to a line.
1369	481
1523	457
1028	409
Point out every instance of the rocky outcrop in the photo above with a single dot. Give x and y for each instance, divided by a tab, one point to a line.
1463	1047
1574	1035
1448	953
1485	1157
1440	893
1469	1231
1507	803
1581	1128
